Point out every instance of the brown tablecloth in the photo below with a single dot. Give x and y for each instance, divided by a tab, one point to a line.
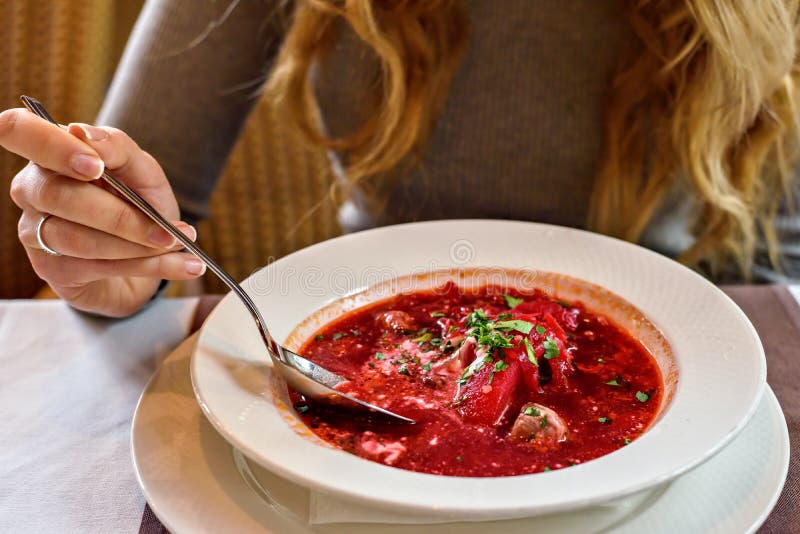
776	315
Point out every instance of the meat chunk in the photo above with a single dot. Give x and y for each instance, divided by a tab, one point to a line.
539	426
399	321
460	359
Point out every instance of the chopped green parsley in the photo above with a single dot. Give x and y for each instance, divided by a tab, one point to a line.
529	350
512	301
641	396
520	326
427	367
337	335
604	420
423	338
540	329
403	370
380	356
499	365
614	382
530	410
550	348
436	314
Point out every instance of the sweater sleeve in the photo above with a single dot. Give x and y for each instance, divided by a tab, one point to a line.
190	74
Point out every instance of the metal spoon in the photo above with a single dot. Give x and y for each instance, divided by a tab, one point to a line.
311	380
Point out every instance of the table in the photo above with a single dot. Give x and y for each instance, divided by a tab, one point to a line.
70	382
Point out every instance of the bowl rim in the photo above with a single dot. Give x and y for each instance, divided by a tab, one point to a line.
497	508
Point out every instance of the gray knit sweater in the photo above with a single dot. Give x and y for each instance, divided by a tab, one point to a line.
519	138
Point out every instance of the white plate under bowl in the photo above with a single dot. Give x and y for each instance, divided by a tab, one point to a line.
189	475
719	357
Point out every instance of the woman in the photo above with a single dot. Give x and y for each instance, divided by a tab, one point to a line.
673	124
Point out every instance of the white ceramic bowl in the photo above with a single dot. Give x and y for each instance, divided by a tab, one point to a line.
715	354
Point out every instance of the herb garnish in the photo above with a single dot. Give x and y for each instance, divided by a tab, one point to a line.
641	396
380	356
520	326
529	350
530	410
423	338
604	420
551	349
403	370
540	329
499	365
337	335
614	382
427	367
436	314
319	337
512	301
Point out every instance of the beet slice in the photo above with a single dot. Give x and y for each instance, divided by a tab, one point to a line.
487	395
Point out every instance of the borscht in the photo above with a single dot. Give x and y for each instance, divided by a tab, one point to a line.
500	381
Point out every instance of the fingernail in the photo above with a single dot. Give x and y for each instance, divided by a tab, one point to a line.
92	133
161	238
195	266
186	229
86	165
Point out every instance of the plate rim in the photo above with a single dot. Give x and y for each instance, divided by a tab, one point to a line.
165	516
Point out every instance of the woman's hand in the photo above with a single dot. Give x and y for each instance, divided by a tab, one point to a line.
113	257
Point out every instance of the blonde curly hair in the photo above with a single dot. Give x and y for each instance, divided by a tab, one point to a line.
707	104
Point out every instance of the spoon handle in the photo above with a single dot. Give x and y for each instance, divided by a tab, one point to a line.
36	107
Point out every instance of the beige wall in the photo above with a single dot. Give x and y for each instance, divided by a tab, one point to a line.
272	199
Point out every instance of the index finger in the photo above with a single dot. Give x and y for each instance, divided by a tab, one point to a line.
47	145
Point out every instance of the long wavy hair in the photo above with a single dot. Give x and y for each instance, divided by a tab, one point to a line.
709	104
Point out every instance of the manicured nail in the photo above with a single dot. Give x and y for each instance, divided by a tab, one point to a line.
86	165
92	133
195	267
186	229
161	238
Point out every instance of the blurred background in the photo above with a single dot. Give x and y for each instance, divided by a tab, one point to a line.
64	52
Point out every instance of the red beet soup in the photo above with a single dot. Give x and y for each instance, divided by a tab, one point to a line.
500	381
